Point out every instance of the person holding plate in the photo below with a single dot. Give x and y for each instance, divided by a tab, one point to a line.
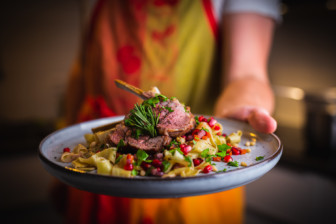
211	55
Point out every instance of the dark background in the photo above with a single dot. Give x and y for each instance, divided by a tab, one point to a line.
38	43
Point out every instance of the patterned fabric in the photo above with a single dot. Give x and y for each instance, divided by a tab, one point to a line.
170	44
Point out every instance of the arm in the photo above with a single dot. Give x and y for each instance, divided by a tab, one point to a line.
247	95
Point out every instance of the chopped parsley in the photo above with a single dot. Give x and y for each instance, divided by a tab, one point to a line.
141	156
118	159
259	158
235	163
165	165
188	159
121	144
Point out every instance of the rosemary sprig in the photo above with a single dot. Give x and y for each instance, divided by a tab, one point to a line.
143	118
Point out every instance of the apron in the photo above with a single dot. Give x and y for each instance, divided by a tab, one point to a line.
170	44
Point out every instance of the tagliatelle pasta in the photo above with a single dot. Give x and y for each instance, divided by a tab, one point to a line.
185	156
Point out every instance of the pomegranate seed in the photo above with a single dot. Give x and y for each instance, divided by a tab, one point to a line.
200	119
195	132
216	128
66	149
197	161
190	138
227	159
156	163
224	135
235	151
201	133
128	166
212	122
207	169
145	165
186	149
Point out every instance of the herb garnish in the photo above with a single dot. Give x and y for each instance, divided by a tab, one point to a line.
165	165
235	163
259	158
118	159
121	144
141	156
143	118
188	159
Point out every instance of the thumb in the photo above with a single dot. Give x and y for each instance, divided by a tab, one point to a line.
261	120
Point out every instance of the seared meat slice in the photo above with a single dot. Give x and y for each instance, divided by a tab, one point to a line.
119	133
175	120
147	143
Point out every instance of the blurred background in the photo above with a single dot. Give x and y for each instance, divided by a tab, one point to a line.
38	43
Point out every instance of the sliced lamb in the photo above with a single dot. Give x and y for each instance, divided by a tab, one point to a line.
175	120
146	143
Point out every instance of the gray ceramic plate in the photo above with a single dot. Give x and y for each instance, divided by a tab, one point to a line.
268	145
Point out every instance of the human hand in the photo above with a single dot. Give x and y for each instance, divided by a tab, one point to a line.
248	100
257	117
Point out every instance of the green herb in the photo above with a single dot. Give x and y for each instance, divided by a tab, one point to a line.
141	156
222	150
169	109
134	172
121	144
259	158
155	100
179	150
205	153
224	170
221	154
165	165
174	142
197	121
188	159
118	159
235	163
143	118
223	147
205	129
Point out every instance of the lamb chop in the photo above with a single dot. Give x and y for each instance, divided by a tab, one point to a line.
172	119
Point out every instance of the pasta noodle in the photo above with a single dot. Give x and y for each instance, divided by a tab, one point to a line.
185	156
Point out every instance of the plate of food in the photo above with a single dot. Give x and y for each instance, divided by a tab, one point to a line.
159	150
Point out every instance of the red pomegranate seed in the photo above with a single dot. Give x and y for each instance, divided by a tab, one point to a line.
201	133
186	149
156	163
212	122
235	151
66	149
145	165
128	166
227	159
224	135
216	128
195	132
190	138
200	119
207	169
197	161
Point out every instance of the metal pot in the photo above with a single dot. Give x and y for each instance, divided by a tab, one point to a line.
320	123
